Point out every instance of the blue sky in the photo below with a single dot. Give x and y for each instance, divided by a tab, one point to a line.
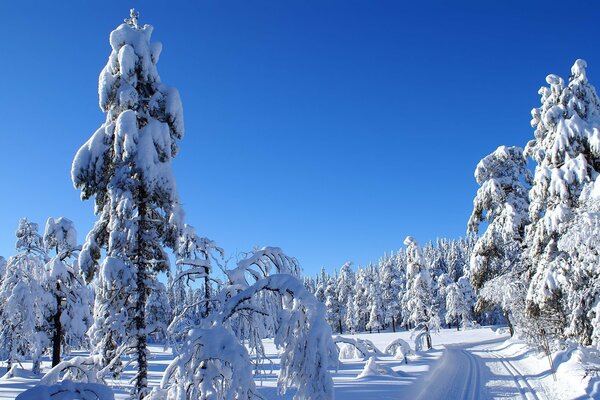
332	129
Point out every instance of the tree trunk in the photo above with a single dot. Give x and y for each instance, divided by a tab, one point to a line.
394	324
510	325
140	388
141	380
206	295
57	337
428	337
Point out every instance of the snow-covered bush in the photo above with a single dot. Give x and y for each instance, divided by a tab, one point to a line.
78	369
353	346
400	349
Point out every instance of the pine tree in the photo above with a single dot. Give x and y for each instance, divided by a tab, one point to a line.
322	281
376	312
501	201
23	319
345	290
419	292
361	293
566	148
70	309
391	287
126	167
333	305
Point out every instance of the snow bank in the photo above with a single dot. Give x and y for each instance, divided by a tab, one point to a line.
68	390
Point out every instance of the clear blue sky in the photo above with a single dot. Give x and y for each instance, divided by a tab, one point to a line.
332	129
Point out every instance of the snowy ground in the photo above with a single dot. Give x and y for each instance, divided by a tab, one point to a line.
473	364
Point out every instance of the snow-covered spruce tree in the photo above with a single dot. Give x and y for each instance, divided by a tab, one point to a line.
345	290
419	293
566	148
502	202
581	242
457	308
213	364
443	281
333	306
376	310
322	281
391	286
361	294
23	317
350	318
70	309
126	167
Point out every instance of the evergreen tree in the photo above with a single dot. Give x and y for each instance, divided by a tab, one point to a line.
391	286
23	317
566	149
501	201
322	281
70	309
361	294
345	290
126	167
419	293
376	309
333	305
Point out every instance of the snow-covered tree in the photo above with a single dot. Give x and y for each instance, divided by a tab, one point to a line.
419	293
2	268
345	289
23	317
457	308
391	283
581	288
566	149
126	167
350	318
72	299
361	300
158	312
376	310
213	364
322	281
332	303
443	281
194	252
502	202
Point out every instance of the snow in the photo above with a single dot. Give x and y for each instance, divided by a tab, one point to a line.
478	363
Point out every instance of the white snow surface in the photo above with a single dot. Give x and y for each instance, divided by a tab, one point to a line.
473	364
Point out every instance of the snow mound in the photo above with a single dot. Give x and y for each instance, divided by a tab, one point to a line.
373	369
16	372
68	390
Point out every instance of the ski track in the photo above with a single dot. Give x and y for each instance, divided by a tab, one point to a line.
452	382
527	392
